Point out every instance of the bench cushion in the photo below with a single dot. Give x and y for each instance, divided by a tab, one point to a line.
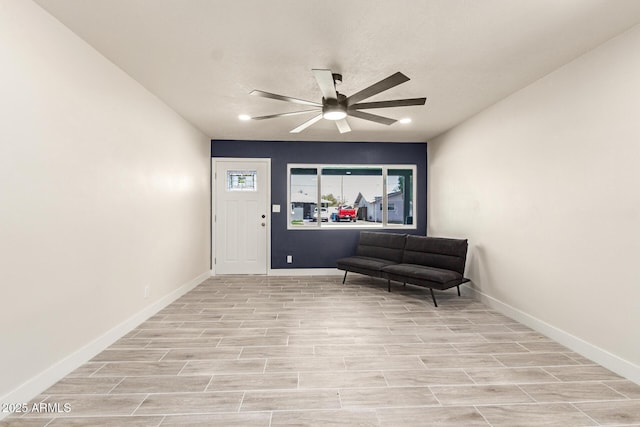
355	263
414	272
384	246
436	252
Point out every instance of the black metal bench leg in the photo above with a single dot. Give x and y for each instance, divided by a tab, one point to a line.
458	289
345	277
434	297
389	285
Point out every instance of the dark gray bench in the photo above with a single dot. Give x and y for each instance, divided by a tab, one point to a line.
432	262
374	251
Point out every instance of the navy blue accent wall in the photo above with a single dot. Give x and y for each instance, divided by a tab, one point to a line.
321	248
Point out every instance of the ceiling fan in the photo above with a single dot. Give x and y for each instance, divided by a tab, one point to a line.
336	106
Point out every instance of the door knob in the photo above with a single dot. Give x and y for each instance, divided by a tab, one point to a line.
263	224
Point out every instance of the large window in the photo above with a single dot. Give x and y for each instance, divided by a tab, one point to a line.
334	196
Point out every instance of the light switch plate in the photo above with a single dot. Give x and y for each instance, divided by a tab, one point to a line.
275	208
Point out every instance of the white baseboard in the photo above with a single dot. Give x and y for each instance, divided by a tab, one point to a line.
300	272
45	379
610	361
305	272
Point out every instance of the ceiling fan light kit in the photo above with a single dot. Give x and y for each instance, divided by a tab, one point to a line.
333	109
336	106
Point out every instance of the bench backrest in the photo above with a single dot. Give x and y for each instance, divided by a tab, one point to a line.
438	252
387	246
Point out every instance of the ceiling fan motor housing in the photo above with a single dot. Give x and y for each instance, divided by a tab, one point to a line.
334	109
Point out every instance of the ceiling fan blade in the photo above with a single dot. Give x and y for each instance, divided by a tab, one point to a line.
293	113
372	117
385	104
306	124
283	98
343	126
326	83
376	88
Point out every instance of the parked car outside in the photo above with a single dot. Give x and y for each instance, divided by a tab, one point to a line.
346	212
324	215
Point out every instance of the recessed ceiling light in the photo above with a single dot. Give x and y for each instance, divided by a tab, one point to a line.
405	120
244	117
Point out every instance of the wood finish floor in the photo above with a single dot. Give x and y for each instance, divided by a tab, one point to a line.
308	351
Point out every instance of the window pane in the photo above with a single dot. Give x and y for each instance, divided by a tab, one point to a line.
399	196
348	194
304	196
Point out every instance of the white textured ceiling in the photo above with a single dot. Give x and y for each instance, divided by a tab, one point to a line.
203	57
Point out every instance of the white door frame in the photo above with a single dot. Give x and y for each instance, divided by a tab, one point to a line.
214	163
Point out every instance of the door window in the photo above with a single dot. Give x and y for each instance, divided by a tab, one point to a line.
241	180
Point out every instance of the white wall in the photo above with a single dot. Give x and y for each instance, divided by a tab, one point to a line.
545	184
103	191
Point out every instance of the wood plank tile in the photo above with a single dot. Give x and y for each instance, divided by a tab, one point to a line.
571	392
624	412
582	373
626	388
350	350
306	364
453	416
73	385
185	403
329	418
212	367
162	384
255	419
131	421
122	369
129	355
244	381
552	415
480	394
535	359
288	400
348	379
381	363
460	361
277	351
510	375
426	377
356	398
202	353
26	422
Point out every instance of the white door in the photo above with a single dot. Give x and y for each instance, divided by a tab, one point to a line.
241	215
